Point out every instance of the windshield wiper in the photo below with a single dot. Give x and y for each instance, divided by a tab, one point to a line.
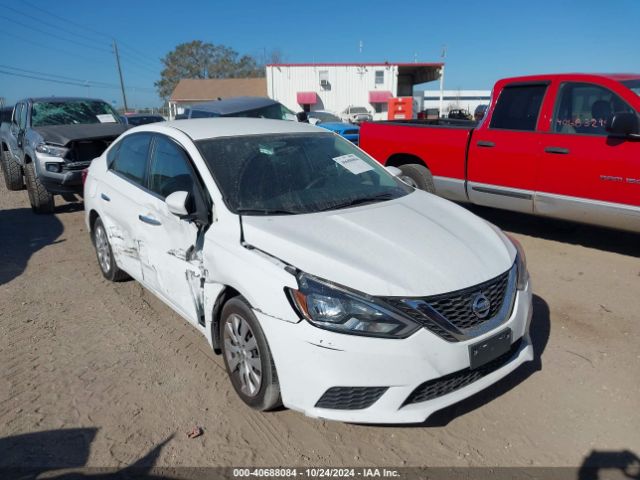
265	211
359	201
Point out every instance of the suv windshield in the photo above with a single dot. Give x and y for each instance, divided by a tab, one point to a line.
296	173
72	112
633	85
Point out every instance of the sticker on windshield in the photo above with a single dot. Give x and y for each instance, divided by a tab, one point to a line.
106	118
353	163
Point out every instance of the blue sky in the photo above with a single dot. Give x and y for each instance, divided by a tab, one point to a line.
485	40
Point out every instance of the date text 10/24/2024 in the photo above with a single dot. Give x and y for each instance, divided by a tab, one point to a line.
315	472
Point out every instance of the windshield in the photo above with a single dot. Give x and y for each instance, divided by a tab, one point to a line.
358	110
324	116
72	113
296	173
633	85
274	112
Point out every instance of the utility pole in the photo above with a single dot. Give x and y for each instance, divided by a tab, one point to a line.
443	55
124	97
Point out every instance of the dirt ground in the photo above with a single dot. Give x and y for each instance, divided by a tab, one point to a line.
101	374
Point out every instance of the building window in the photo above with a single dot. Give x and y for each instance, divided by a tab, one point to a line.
379	107
324	79
379	77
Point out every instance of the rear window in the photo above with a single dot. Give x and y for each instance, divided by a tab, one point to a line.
518	107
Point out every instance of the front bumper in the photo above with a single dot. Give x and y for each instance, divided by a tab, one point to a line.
310	361
67	178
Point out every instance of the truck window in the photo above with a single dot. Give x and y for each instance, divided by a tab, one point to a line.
518	107
584	108
16	114
22	121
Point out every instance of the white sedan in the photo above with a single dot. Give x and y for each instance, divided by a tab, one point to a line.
327	284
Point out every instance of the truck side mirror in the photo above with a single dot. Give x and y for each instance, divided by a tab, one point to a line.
624	124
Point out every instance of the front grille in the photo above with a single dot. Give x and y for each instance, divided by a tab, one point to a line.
350	398
455	307
457	380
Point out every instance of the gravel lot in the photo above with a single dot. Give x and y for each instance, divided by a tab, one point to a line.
113	376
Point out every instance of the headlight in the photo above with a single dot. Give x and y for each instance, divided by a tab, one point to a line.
336	308
521	260
51	150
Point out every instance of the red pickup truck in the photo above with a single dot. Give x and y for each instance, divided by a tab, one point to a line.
565	146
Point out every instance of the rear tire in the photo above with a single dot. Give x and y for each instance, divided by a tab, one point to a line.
106	262
40	199
418	176
12	172
247	357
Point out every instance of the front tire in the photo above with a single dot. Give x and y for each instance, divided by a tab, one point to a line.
40	199
247	357
418	176
107	263
12	172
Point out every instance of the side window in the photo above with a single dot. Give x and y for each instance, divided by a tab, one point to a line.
584	108
169	170
16	114
131	157
23	116
518	107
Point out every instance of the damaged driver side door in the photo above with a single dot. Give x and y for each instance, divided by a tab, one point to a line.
171	246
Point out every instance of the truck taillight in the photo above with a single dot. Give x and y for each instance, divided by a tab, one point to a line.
84	174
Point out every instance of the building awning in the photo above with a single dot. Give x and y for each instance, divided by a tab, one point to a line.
307	98
379	96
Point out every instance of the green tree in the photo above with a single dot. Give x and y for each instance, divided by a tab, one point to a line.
199	59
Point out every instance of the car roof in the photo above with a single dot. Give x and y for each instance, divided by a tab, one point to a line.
233	105
204	128
618	77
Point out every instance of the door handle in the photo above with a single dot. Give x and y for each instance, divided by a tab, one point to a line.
105	197
484	143
149	220
557	150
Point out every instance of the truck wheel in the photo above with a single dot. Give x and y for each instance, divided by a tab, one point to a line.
41	200
418	176
247	356
107	263
12	172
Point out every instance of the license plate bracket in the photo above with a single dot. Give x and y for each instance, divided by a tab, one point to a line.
490	348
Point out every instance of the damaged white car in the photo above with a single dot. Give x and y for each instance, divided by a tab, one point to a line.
327	284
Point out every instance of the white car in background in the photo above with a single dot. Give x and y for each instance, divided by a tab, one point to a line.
327	284
353	114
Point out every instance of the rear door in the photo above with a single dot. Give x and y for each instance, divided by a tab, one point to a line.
120	197
585	174
502	156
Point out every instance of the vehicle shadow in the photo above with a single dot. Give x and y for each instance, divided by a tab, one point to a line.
598	465
34	455
539	331
22	233
617	241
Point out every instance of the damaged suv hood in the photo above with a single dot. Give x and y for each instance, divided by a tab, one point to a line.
417	245
63	134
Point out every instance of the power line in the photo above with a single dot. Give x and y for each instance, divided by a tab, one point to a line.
30	27
47	47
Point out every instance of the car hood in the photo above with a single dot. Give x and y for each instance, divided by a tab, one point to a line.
64	134
417	245
338	126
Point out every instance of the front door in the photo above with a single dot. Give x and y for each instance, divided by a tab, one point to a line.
586	175
503	155
171	247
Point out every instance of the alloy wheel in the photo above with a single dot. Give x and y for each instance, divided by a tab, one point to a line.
102	248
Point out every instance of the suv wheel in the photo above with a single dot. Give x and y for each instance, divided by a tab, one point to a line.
417	176
40	199
247	356
12	172
107	263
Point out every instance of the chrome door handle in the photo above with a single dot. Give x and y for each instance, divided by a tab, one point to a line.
105	197
557	150
149	220
483	143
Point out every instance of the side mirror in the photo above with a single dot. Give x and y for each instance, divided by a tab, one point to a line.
395	171
177	203
623	124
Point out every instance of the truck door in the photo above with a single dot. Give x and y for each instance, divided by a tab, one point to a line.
585	174
502	156
14	129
